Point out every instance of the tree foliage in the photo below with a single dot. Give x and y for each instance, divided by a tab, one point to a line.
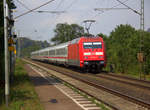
66	32
123	44
105	37
27	46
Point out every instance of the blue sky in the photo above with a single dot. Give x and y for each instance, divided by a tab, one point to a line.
40	26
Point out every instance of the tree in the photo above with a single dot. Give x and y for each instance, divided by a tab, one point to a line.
122	47
105	37
66	32
27	46
120	51
146	50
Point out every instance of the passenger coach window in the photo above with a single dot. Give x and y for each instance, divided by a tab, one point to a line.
88	45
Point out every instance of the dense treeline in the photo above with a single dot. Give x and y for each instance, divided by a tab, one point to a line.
123	44
27	46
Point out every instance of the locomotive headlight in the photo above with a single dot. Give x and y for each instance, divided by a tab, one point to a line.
87	53
99	53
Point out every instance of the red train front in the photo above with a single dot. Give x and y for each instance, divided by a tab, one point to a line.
87	53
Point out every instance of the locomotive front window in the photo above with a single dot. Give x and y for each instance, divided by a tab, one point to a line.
97	45
89	45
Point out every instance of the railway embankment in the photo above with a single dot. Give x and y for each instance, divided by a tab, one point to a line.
22	92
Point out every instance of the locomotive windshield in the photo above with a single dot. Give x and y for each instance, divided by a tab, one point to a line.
89	45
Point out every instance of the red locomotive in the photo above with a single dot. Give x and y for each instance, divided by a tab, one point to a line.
87	53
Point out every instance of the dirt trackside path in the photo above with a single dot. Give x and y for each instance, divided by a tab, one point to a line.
50	97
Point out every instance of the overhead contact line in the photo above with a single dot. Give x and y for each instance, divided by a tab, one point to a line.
34	9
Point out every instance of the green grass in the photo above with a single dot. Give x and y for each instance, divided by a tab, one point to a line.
22	93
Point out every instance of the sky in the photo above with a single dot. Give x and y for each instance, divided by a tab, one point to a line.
40	26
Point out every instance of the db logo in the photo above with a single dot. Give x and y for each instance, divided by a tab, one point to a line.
93	53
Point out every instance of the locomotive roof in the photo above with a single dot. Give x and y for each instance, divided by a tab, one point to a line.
84	37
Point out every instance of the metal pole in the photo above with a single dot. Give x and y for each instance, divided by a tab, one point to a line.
6	55
142	15
141	38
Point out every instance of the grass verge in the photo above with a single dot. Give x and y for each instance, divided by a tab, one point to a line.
22	93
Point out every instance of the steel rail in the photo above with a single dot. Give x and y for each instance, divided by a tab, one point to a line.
130	78
124	82
127	97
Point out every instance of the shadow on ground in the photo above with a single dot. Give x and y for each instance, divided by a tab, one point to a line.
39	81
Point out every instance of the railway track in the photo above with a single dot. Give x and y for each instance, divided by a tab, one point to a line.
128	80
96	83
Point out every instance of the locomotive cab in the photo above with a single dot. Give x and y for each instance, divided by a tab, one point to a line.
93	54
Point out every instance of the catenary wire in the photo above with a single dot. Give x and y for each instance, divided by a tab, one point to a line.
34	9
23	5
110	8
60	3
57	17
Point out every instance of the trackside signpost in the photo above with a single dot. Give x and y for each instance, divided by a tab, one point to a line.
11	48
140	57
10	43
